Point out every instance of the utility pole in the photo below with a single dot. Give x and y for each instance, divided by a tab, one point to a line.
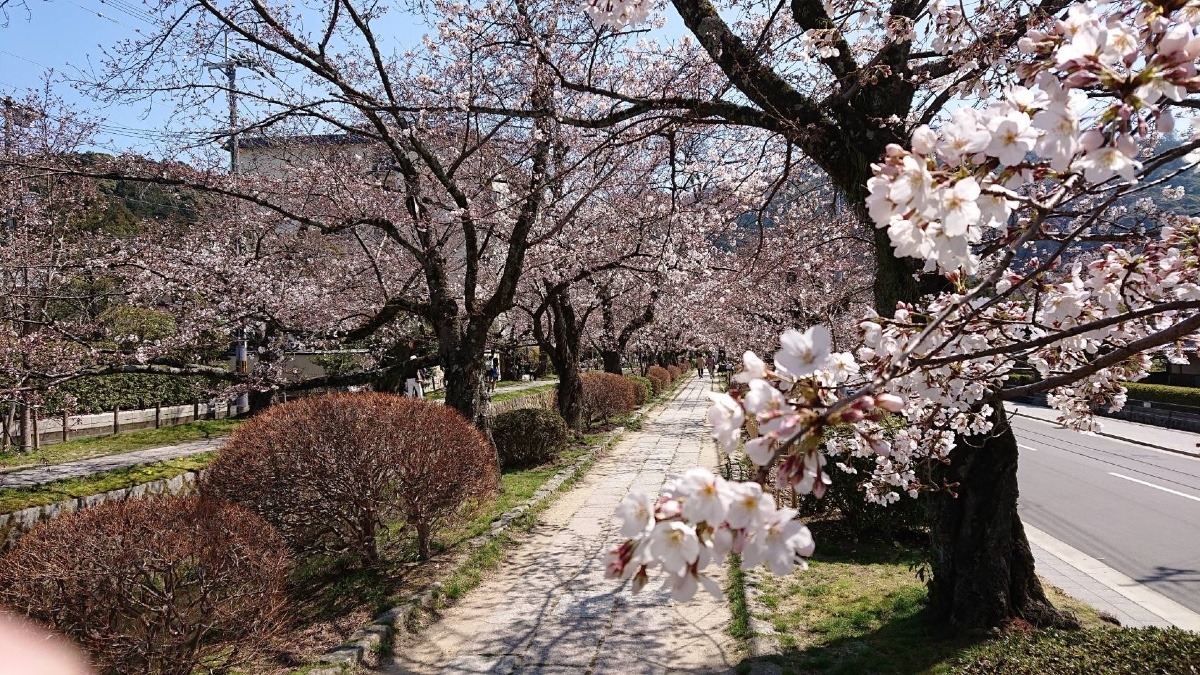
12	110
229	67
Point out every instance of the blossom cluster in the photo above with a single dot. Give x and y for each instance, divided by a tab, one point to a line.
940	197
618	13
700	519
1021	170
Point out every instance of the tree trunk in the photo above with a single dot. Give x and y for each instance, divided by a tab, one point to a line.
424	539
26	427
570	393
983	576
612	361
261	400
464	387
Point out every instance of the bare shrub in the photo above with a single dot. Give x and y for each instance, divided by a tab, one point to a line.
156	586
675	371
330	471
660	377
442	462
606	395
643	389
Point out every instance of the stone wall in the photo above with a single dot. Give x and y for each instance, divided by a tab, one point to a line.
50	430
15	525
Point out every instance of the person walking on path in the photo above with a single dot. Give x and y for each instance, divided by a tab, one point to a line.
549	608
712	366
699	366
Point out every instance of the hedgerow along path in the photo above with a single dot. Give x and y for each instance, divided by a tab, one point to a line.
549	609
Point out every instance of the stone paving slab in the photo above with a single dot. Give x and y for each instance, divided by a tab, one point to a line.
549	608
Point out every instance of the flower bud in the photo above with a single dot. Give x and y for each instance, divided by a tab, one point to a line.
890	402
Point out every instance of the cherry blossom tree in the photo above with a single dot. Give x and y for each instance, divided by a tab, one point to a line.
1003	204
458	192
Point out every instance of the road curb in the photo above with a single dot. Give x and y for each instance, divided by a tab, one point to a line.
764	641
1164	448
1139	594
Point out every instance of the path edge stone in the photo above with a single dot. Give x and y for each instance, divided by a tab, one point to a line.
370	637
764	641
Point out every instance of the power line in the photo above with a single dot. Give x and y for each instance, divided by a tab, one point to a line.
27	60
130	10
102	15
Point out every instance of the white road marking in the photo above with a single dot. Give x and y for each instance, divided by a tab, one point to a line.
1157	487
1026	447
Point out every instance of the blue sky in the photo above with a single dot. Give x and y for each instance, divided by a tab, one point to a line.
63	36
67	35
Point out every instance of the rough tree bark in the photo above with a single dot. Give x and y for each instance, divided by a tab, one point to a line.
843	135
561	342
983	574
612	361
610	354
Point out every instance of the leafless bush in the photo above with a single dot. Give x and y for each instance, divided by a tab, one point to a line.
158	586
330	471
606	395
660	377
643	389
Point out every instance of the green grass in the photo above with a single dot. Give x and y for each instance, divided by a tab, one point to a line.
861	609
113	444
735	592
1107	651
17	498
502	395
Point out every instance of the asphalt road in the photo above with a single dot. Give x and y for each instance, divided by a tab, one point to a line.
1134	508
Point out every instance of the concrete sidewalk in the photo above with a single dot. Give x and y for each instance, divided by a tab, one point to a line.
549	609
1172	440
1089	580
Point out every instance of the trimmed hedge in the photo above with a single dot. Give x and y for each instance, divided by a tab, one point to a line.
159	586
1138	391
128	391
331	472
675	371
1164	393
643	388
845	503
606	395
660	378
529	437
